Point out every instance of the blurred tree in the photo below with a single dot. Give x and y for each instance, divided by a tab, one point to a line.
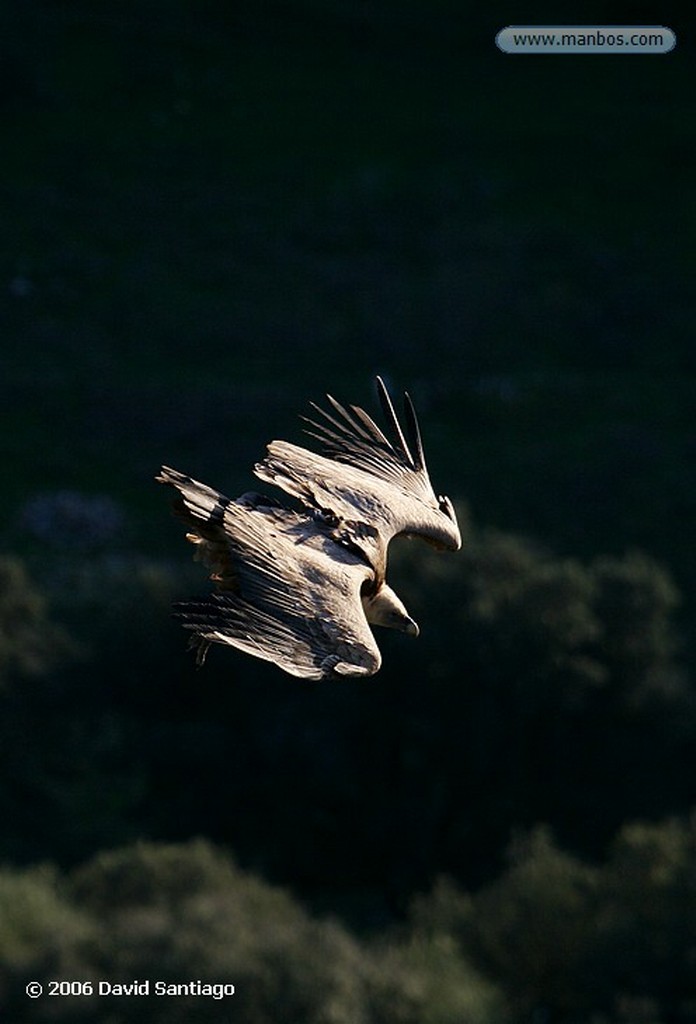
42	935
179	913
546	681
527	929
636	600
71	771
428	979
644	946
571	942
533	694
31	644
533	924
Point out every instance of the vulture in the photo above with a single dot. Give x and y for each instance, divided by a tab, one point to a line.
301	587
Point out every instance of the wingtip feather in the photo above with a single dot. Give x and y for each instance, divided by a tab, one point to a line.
414	432
390	414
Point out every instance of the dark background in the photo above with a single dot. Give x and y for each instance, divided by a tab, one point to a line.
210	215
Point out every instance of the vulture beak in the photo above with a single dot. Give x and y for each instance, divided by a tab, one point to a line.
411	627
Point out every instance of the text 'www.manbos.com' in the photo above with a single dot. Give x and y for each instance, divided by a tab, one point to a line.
558	39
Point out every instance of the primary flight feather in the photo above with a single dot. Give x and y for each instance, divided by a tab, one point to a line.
374	488
301	588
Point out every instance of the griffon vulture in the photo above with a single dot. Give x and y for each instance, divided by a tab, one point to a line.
301	588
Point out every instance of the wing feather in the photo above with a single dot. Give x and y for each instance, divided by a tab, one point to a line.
357	440
391	416
297	595
349	419
414	433
300	648
372	426
364	476
290	583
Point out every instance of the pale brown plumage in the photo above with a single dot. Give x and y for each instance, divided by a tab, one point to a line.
375	489
299	588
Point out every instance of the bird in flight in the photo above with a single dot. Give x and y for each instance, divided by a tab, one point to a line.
302	588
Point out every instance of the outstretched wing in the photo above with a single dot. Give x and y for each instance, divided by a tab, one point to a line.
303	647
373	486
287	592
354	437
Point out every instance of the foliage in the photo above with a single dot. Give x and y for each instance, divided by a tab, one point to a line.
42	936
30	643
71	774
552	936
636	599
176	913
427	980
646	919
535	922
185	912
571	941
562	674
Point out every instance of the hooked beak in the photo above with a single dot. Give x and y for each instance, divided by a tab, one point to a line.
411	628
